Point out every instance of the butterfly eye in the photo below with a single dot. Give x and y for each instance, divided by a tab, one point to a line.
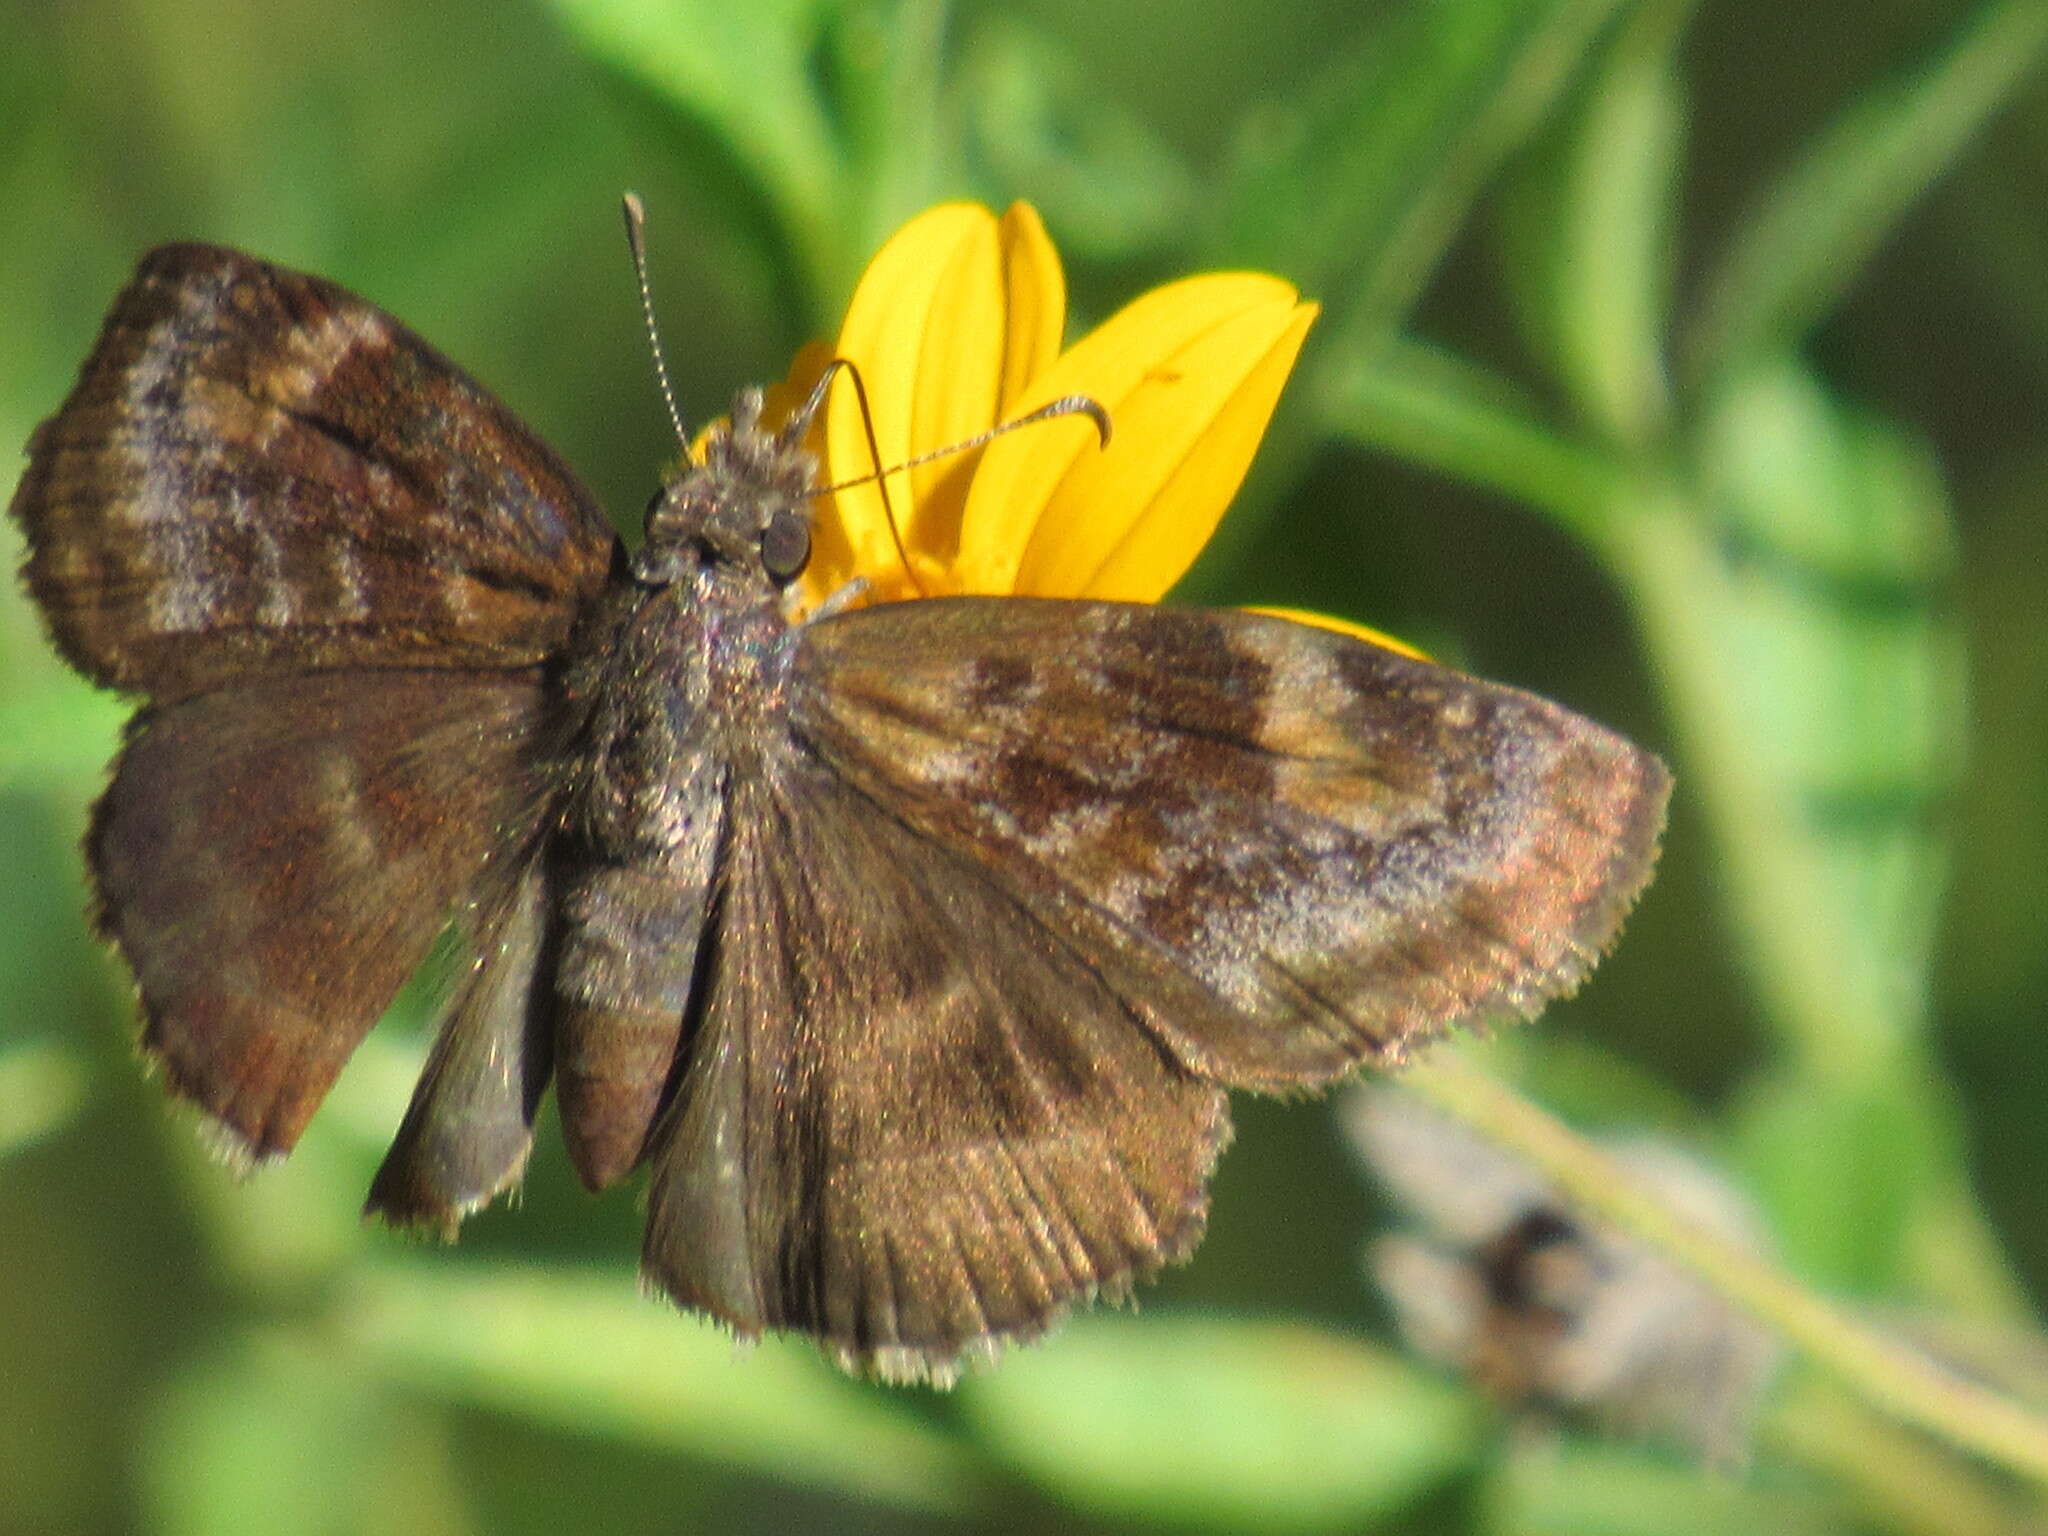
786	543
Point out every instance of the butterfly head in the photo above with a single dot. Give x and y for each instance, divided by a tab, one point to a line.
741	501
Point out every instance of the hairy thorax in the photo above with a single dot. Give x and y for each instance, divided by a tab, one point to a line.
685	679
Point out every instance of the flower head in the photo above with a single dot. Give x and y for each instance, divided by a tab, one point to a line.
956	328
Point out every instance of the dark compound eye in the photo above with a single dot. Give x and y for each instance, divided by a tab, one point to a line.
786	544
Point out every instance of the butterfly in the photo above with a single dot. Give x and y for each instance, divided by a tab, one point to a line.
912	948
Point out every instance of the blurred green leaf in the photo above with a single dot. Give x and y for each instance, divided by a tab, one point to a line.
1796	599
288	1225
741	78
1588	233
265	1433
1110	185
1429	406
1236	1425
1573	1487
1815	227
880	68
588	1353
818	114
1354	190
58	732
1841	1171
42	1084
1836	621
1803	620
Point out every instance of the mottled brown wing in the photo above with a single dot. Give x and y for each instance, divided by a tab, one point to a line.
912	1121
1286	851
275	859
259	470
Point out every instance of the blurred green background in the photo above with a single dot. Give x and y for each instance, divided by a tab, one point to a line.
1682	362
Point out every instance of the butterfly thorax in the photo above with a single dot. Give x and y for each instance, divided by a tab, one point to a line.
686	659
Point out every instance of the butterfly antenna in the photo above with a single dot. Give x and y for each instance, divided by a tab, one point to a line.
1066	405
636	242
878	474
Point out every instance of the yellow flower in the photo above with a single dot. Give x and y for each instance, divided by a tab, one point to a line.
955	328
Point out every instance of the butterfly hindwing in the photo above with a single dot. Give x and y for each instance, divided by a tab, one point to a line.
913	1121
469	1127
275	859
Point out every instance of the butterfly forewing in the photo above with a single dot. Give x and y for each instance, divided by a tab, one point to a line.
1291	851
259	471
1016	886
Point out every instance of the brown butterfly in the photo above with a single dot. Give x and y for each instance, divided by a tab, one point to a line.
912	948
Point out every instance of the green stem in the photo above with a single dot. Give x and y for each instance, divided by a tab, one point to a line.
1885	1372
1841	1017
1836	1019
1426	405
1901	1482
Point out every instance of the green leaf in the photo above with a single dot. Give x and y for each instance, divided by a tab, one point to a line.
589	1354
1355	191
1576	1487
1795	600
1111	186
882	67
813	125
1841	1170
739	79
1434	408
42	1085
267	1431
1800	614
1235	1425
1815	227
1355	188
57	731
1588	234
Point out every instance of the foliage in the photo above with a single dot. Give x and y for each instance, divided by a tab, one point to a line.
1677	360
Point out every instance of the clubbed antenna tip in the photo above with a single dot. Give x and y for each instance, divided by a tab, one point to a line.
636	242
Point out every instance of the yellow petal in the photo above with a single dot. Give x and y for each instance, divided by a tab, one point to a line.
1342	627
780	399
1037	293
930	328
1190	374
